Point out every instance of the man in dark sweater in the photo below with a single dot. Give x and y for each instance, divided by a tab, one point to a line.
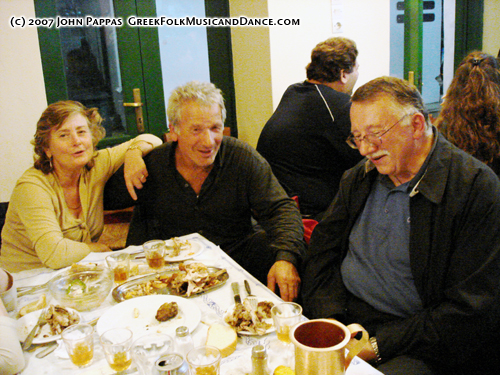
213	185
304	140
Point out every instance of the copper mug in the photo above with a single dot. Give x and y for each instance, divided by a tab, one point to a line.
320	346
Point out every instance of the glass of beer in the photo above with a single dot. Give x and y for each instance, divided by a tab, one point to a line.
285	315
116	343
119	263
79	342
155	251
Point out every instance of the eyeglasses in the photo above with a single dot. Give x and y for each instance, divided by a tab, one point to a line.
375	139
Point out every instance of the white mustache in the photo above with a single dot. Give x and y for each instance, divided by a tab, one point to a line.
377	154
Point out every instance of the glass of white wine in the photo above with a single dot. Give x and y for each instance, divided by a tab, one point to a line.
285	316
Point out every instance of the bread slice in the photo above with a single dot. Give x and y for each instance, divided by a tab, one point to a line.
40	303
223	338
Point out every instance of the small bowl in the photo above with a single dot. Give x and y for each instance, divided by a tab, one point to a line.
82	290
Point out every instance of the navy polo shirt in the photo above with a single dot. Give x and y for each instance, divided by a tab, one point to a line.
377	266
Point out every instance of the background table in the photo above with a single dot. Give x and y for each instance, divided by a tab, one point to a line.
213	305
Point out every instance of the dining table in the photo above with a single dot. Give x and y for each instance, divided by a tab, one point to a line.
212	304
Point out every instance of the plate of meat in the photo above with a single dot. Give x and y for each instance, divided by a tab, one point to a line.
248	321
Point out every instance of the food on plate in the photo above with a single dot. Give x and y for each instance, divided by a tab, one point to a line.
283	370
223	338
190	279
244	318
136	312
40	303
193	278
167	311
58	318
76	267
179	245
147	288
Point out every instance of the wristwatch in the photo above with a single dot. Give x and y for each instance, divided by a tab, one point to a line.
373	342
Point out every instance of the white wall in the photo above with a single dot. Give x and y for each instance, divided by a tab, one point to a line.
22	93
364	21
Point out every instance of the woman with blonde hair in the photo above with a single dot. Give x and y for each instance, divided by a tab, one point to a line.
55	214
470	114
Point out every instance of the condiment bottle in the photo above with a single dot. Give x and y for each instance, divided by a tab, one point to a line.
259	360
183	341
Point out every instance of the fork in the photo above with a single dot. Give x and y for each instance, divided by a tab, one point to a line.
29	339
252	299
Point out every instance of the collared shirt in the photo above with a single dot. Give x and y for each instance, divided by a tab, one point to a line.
377	267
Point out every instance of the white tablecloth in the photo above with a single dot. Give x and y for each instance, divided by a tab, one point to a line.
212	305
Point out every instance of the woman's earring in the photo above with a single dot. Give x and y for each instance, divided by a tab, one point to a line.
50	164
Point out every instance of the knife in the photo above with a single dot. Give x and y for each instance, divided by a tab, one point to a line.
236	292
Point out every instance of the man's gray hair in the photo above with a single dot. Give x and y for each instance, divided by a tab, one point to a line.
202	93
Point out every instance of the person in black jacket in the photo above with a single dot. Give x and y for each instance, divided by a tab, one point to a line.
304	140
410	246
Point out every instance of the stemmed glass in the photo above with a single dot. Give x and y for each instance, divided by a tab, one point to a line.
285	315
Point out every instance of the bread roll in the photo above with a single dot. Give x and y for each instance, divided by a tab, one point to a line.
223	338
41	303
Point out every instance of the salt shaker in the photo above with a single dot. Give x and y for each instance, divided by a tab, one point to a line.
183	341
259	360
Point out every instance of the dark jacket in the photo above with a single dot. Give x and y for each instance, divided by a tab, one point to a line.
454	254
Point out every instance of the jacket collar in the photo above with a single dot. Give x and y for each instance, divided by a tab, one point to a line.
432	182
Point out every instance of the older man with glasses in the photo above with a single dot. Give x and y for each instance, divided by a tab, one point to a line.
409	248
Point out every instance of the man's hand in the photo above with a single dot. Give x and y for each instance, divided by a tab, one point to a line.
286	276
97	247
135	171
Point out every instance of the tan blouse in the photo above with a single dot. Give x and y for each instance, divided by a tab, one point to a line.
39	228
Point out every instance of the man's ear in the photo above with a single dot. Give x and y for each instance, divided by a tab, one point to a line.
419	125
48	153
344	76
173	133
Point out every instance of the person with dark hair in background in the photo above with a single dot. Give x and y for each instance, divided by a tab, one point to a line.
410	247
470	114
304	140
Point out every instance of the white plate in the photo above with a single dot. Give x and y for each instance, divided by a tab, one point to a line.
122	315
27	322
195	249
230	310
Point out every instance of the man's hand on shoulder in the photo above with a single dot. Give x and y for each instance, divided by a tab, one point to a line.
135	171
287	277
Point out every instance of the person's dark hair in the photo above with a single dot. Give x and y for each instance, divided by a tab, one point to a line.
328	58
53	118
401	91
470	113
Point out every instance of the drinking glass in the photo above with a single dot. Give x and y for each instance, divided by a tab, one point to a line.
147	349
79	342
119	263
204	360
116	343
285	315
155	251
